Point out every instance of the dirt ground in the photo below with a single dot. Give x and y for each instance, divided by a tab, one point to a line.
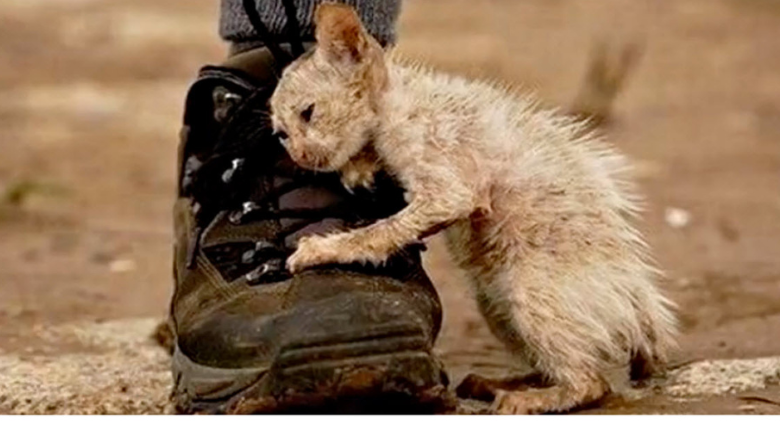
91	104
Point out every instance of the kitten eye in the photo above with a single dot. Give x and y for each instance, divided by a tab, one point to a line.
306	114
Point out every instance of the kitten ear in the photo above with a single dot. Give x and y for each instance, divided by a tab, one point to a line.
339	33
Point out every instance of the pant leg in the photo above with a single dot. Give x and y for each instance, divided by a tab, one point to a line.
379	17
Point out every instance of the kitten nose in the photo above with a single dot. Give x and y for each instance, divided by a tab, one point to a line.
313	156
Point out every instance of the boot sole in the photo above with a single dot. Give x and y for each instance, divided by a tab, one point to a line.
390	371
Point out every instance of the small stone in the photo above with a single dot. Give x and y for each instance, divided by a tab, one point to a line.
684	282
677	218
122	266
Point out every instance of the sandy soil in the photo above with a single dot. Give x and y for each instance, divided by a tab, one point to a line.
91	104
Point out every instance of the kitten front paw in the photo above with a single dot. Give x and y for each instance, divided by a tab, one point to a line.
353	177
311	251
336	248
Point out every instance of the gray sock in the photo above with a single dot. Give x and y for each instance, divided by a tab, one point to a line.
379	17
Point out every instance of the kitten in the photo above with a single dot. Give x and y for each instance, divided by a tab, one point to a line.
536	212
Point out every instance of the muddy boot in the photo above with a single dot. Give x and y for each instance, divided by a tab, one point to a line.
249	337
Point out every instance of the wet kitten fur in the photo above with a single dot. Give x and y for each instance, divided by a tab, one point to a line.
536	212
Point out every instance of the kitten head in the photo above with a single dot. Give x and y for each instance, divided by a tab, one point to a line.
326	103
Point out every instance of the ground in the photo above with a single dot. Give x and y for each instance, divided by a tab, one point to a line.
91	104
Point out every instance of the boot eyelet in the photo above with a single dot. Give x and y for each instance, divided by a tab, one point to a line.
224	103
235	164
248	257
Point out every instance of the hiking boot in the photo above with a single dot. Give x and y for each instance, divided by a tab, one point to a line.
248	336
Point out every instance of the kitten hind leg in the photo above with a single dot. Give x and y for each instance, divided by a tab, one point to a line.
533	323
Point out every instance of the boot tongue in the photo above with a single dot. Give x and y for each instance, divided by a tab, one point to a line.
260	64
257	63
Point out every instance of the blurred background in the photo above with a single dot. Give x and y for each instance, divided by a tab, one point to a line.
91	95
